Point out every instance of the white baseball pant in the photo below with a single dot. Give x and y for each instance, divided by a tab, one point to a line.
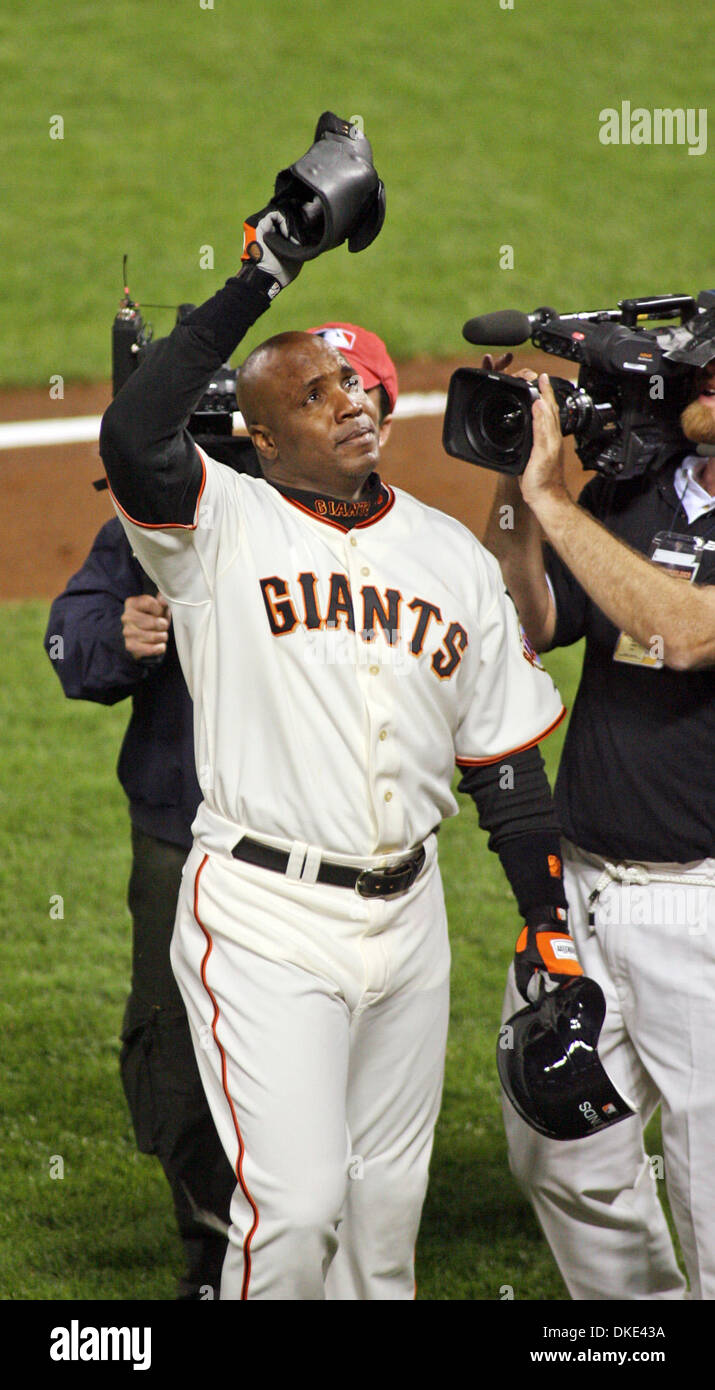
652	950
319	1020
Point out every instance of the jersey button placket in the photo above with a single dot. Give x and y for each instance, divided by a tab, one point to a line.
378	681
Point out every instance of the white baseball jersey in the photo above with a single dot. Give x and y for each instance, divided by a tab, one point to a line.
338	673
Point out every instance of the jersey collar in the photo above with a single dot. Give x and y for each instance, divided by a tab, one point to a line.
375	500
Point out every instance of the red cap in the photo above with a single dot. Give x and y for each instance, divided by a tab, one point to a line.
364	351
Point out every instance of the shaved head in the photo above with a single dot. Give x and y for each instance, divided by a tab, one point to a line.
311	422
259	381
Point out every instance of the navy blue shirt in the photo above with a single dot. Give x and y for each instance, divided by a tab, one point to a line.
156	764
638	765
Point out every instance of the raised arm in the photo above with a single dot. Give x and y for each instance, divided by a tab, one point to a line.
635	594
153	467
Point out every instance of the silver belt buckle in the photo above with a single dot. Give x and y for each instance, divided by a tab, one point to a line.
387	882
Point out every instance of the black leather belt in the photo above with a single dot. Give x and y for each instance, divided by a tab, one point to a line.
383	882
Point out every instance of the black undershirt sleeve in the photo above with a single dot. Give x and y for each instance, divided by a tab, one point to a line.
152	465
515	806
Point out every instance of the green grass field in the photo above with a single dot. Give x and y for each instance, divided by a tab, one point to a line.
104	1230
485	126
176	117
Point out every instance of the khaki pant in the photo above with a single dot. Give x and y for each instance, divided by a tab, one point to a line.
652	950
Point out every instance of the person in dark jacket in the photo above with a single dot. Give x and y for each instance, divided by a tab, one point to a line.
108	617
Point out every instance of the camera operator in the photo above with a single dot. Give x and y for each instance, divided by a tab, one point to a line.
633	795
636	595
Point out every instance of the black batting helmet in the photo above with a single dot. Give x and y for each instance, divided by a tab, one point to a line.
549	1067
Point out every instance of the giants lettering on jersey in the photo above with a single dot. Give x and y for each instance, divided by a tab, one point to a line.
288	609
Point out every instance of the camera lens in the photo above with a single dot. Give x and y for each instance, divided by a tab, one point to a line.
488	419
496	422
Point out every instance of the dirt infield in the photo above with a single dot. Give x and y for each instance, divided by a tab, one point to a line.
51	512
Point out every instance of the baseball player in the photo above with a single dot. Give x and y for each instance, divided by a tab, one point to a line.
118	642
343	645
633	798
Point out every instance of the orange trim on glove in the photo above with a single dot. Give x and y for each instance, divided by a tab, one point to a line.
547	945
252	250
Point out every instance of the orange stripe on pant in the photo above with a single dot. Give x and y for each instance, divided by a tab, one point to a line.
224	1079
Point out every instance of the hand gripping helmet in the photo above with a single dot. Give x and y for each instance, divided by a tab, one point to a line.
549	1067
331	195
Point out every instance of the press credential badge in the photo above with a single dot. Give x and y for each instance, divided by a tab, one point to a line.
680	555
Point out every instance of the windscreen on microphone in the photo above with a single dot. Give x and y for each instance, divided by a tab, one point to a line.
507	328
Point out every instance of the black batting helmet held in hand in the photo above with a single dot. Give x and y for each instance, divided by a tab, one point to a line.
549	1066
331	195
